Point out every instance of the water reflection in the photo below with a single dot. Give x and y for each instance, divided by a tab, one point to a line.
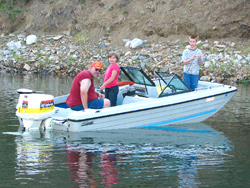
33	158
85	162
34	155
106	158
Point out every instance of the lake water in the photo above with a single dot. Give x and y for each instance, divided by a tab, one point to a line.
214	153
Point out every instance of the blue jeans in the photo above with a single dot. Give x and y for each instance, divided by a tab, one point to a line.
191	80
95	104
111	94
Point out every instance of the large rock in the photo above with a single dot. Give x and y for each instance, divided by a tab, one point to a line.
207	64
135	43
31	39
14	45
205	78
26	67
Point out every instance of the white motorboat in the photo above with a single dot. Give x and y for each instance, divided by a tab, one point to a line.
143	102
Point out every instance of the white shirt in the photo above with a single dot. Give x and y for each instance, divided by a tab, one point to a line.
193	66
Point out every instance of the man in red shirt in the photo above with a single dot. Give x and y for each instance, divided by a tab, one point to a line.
82	94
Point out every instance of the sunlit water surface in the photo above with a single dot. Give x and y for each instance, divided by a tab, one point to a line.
214	153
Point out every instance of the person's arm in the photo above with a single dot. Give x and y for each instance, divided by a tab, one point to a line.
200	59
84	88
189	60
112	77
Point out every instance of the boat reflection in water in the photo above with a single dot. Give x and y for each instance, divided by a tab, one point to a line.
111	157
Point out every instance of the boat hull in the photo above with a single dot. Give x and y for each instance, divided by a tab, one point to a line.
147	114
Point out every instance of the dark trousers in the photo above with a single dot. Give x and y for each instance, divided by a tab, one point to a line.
191	80
111	94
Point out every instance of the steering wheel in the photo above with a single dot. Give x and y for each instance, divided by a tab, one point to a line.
173	88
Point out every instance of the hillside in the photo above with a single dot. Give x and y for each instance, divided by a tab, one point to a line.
153	20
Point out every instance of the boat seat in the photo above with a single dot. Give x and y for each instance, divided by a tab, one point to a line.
119	100
62	113
130	99
152	92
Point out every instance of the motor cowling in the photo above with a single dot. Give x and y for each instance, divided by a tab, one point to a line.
35	106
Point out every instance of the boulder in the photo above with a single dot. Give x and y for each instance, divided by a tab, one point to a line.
31	39
135	43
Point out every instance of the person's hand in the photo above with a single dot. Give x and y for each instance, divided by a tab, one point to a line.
199	56
100	96
193	57
102	88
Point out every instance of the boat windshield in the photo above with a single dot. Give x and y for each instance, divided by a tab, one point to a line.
166	83
172	84
137	75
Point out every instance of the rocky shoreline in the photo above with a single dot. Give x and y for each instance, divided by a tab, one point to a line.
67	56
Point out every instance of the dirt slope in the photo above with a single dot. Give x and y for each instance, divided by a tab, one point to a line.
155	20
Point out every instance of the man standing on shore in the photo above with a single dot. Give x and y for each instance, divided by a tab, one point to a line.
82	94
192	59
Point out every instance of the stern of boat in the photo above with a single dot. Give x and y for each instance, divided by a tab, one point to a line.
34	109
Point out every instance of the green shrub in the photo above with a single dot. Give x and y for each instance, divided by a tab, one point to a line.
81	38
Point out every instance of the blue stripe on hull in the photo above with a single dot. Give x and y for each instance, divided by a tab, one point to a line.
179	129
153	125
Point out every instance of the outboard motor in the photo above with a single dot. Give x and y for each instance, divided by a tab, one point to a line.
34	108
